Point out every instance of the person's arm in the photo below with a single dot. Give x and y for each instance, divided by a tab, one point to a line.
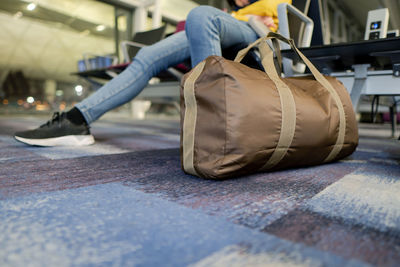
262	8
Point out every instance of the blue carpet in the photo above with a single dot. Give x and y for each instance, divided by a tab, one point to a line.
125	202
116	225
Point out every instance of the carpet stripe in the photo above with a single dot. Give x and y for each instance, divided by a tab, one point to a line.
362	198
116	225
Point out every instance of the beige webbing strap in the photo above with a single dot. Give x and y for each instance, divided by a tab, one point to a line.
242	53
324	82
190	116
288	109
277	49
342	117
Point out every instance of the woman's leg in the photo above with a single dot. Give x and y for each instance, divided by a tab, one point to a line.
210	30
148	62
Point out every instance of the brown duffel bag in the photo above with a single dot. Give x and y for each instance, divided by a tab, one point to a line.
236	120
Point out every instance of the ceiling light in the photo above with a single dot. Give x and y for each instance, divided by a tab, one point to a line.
31	6
100	28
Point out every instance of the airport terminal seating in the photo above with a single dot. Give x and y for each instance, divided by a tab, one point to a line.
93	69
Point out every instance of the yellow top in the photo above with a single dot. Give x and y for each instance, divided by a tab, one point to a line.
261	8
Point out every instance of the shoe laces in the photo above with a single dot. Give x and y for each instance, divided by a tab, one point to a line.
57	118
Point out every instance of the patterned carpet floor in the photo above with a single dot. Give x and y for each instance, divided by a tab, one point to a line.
124	201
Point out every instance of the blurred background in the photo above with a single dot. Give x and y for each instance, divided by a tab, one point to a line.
43	42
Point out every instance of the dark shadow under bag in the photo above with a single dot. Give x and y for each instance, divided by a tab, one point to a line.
236	120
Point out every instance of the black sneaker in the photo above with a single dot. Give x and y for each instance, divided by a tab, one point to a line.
59	131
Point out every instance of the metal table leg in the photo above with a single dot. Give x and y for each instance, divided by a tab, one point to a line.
360	83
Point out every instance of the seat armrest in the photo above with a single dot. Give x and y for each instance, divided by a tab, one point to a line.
124	48
283	10
258	26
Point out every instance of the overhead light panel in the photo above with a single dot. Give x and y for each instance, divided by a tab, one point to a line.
31	6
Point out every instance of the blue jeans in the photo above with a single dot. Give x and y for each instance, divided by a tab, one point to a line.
207	31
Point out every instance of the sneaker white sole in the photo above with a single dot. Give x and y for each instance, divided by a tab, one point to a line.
69	140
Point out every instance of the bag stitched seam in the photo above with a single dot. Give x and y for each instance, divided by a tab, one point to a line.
219	60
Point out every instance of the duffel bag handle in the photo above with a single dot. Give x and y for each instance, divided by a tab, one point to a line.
321	79
242	53
269	67
317	75
261	42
